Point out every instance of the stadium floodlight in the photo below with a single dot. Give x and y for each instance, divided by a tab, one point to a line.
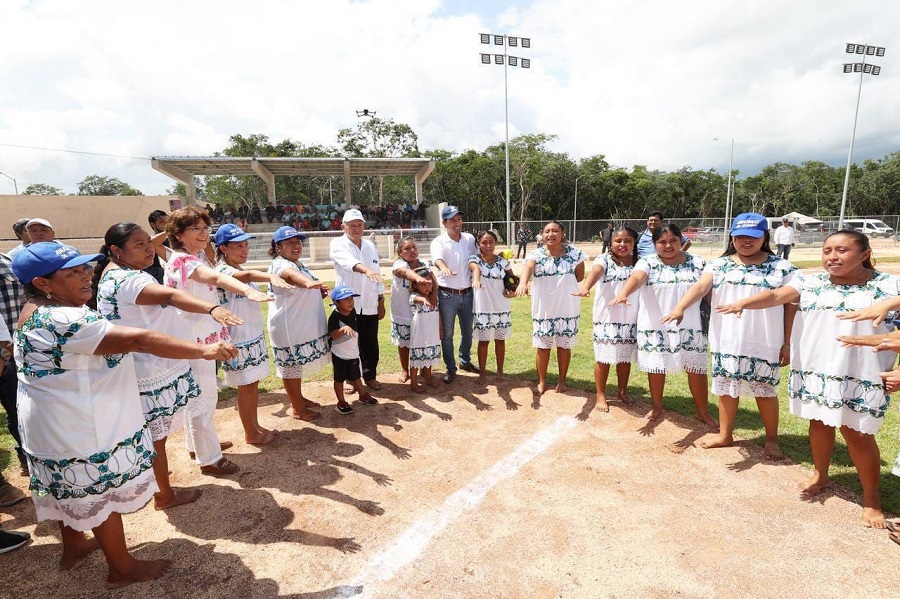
863	68
507	61
729	191
15	185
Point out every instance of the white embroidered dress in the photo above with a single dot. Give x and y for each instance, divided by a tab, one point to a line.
401	314
555	312
493	314
615	327
83	430
425	337
839	386
252	362
669	348
165	385
298	329
745	351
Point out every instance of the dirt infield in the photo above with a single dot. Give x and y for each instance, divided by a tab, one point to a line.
481	493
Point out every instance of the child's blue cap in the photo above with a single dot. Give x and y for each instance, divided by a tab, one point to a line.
342	292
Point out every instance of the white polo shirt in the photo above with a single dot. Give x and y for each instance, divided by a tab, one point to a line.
345	255
784	235
455	255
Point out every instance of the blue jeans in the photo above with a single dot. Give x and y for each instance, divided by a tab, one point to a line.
784	250
452	306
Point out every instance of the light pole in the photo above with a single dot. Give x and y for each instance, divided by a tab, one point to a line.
15	185
861	68
506	41
729	197
575	212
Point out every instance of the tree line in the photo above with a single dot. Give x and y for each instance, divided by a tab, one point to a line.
542	181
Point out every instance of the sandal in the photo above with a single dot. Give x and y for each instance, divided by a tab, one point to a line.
892	526
343	409
368	399
894	537
222	467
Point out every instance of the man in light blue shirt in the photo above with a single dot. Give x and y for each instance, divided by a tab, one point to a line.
645	245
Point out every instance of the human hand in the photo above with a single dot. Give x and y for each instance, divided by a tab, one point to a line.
445	271
276	281
891	380
225	317
582	292
221	351
874	313
522	290
619	299
876	342
675	316
735	309
258	296
374	276
476	284
784	355
346	330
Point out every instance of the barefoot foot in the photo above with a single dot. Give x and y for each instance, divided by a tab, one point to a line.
418	388
561	388
260	438
431	383
708	419
75	551
500	378
653	414
179	497
625	399
306	415
814	485
142	571
541	389
717	441
602	405
404	377
873	517
773	451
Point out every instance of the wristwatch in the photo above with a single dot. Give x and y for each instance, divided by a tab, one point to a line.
5	354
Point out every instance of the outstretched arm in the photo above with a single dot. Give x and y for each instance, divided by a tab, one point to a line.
634	282
691	297
762	300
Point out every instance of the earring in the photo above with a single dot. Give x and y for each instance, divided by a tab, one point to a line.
48	295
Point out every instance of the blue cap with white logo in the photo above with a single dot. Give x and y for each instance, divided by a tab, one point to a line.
229	232
287	233
749	224
449	212
342	292
46	257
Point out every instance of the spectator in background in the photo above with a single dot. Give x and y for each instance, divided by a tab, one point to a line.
645	245
12	297
523	236
39	229
22	235
784	239
157	220
606	236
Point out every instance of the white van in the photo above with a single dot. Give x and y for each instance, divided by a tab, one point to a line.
870	226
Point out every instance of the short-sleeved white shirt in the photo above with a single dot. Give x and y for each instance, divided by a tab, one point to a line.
345	255
455	255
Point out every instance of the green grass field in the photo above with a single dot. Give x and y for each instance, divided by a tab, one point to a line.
793	431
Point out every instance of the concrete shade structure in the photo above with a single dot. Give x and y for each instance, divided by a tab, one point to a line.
184	168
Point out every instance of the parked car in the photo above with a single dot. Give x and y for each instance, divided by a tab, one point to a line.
691	232
711	234
870	226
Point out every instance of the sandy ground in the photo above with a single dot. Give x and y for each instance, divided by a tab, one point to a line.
477	492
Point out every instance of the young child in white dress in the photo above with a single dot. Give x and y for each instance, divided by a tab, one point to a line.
557	268
425	335
832	385
615	327
664	348
746	352
404	275
493	314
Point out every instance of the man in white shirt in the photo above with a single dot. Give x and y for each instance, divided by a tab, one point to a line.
356	265
784	239
21	235
450	252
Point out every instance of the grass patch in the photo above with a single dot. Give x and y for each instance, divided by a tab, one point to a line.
792	430
817	263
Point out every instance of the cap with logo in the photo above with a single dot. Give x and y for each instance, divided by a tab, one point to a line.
287	233
38	221
352	215
749	224
342	292
229	232
45	257
449	212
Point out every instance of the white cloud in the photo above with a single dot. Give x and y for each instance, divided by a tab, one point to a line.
643	82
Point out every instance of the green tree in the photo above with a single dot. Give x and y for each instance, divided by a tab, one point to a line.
42	189
97	185
380	138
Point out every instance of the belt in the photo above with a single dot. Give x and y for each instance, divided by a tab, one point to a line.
455	291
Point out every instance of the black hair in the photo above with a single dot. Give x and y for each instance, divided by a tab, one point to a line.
117	235
481	234
155	215
402	241
667	228
657	213
634	236
861	241
730	250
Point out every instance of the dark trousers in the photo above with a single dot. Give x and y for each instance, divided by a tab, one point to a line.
523	248
9	385
368	345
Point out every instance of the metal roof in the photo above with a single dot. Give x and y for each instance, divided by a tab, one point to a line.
286	167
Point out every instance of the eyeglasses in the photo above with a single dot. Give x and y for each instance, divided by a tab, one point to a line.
200	229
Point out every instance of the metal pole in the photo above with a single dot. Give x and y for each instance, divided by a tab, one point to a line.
575	214
15	185
506	113
729	197
850	153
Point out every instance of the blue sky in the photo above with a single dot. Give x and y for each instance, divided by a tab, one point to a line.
643	82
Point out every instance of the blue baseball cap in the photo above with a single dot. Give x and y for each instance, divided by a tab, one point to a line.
287	233
229	232
342	292
449	212
749	224
45	257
